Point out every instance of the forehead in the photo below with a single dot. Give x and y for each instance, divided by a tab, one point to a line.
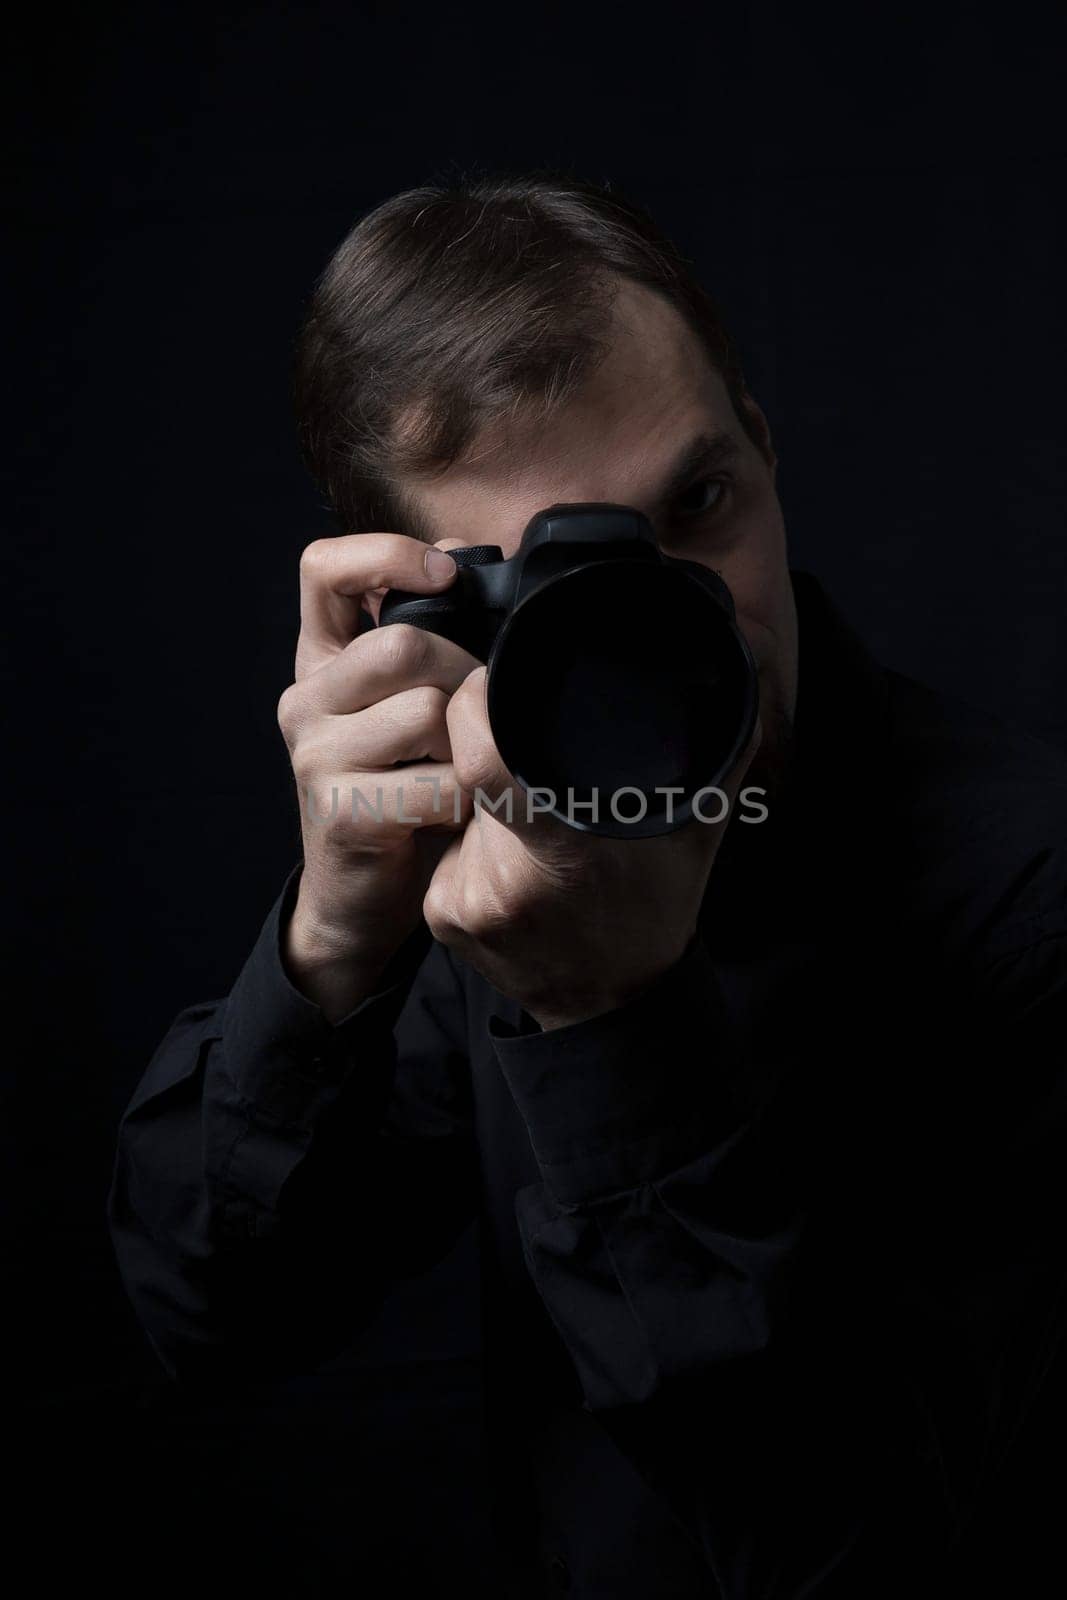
649	342
654	390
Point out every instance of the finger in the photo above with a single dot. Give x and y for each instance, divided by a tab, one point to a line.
372	600
481	771
366	810
480	768
380	663
439	902
409	726
335	574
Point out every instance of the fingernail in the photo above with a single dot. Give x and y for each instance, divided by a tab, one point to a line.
439	565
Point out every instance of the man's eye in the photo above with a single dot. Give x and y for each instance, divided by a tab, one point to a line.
700	498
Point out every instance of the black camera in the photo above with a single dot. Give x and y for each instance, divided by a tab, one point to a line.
618	684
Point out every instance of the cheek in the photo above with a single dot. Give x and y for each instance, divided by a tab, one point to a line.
767	629
758	605
756	571
763	603
760	641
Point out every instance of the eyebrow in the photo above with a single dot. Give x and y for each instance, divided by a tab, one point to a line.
703	454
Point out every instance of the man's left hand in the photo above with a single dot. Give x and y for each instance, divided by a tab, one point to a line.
569	924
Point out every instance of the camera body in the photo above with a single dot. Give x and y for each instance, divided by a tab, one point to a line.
614	673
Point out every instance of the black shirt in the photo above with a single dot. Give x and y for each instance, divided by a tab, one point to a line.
771	1257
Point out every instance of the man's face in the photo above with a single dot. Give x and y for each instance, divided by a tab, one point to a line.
624	438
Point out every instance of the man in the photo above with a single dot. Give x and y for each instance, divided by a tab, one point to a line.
762	1120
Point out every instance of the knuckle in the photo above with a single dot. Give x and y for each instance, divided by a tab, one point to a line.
289	711
514	885
474	769
322	808
307	763
429	704
439	912
402	648
314	558
484	912
360	643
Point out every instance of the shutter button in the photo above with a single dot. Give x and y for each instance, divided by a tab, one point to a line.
322	1061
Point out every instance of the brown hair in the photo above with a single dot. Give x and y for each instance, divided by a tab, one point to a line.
450	304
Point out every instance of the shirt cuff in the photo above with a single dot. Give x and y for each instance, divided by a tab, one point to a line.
624	1098
281	1052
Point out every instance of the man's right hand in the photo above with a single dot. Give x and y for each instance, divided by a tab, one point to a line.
366	713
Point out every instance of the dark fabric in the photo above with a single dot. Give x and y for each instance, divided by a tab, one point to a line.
771	1262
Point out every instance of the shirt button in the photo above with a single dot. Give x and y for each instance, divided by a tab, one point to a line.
321	1063
559	1572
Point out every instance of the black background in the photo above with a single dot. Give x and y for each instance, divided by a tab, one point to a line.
874	195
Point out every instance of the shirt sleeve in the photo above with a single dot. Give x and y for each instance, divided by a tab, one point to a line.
275	1174
821	1414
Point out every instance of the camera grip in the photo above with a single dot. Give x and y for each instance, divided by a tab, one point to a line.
458	614
433	613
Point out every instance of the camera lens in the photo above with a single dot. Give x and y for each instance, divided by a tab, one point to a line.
620	675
